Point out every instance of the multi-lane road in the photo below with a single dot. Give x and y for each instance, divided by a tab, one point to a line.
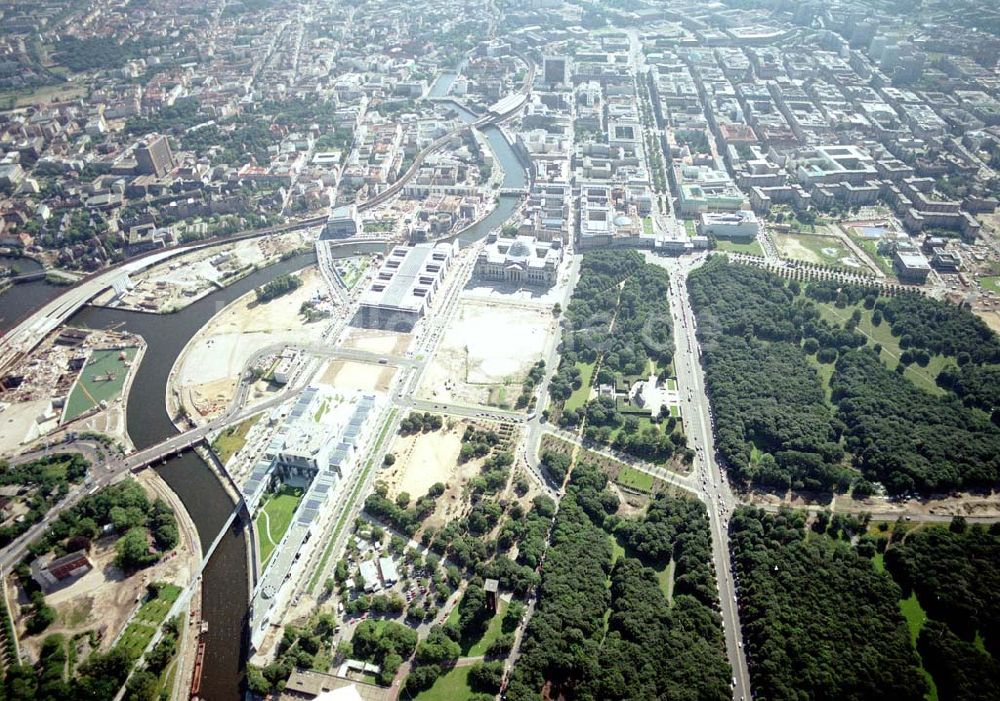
712	485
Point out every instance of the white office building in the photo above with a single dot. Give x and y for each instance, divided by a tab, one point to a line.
741	225
405	286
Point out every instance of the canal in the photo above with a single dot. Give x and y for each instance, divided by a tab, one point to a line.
515	176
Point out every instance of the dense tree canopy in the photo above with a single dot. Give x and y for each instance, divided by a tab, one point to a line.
653	651
46	480
819	621
619	285
956	576
940	327
591	638
564	633
977	385
765	393
776	428
909	439
961	671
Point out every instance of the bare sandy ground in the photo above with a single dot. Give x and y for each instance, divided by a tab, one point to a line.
103	599
377	341
349	374
992	319
17	424
487	347
963	504
209	367
424	459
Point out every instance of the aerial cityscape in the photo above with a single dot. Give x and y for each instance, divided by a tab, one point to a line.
541	350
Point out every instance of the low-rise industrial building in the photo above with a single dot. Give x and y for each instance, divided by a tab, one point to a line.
50	573
368	577
387	567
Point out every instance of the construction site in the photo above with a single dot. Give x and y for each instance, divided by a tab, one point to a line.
184	279
426	458
487	350
208	370
106	607
74	380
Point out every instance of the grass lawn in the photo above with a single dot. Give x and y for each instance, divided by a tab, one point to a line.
451	686
45	93
157	609
914	614
813	248
141	629
664	576
491	634
232	440
870	247
644	423
279	509
915	617
666	579
579	396
751	247
475	648
924	378
135	639
101	379
690	227
990	283
55	471
825	371
318	416
166	683
647	226
617	549
352	269
632	478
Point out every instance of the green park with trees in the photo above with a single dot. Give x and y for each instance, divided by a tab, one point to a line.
617	329
603	627
805	402
819	620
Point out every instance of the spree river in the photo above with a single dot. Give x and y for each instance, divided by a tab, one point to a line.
19	300
225	597
224	584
